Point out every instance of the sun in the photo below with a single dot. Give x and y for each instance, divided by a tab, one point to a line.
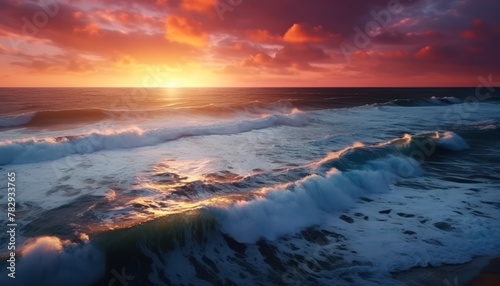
172	84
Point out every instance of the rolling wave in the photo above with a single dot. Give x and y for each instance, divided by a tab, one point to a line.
47	118
333	187
74	116
433	101
37	150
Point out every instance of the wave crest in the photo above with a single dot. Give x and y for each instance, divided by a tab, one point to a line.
37	150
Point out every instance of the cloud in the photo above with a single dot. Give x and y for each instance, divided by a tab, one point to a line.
397	37
198	5
91	29
284	39
300	53
304	33
262	36
478	31
289	60
186	31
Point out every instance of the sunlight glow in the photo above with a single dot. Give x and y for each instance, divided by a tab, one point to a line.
172	84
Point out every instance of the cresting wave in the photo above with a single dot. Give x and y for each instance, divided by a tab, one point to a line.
236	230
332	183
287	210
37	150
64	263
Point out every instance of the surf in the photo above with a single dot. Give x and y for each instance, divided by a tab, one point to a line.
46	149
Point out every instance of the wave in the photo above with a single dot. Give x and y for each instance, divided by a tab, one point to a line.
64	263
47	118
302	204
16	120
340	179
73	116
273	232
37	150
433	101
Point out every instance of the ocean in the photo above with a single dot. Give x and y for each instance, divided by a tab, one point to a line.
247	186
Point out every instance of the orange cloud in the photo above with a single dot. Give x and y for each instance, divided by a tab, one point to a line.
198	5
185	31
124	60
262	36
81	67
77	14
302	33
91	29
110	42
258	60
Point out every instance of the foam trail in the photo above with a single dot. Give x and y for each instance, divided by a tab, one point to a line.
32	150
302	204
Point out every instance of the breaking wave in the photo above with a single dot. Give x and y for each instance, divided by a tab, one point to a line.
37	150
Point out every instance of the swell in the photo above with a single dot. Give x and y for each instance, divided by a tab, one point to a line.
433	101
73	116
37	150
49	118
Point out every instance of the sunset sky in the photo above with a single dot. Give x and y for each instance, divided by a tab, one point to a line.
191	43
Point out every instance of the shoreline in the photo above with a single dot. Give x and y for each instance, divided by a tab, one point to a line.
480	271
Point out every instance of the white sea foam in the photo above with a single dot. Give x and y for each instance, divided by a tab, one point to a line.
304	203
50	261
35	150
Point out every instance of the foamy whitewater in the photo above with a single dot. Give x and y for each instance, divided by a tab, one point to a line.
247	186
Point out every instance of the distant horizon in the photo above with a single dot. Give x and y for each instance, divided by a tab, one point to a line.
249	87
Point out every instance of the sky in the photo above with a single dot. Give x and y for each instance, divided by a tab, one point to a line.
248	43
